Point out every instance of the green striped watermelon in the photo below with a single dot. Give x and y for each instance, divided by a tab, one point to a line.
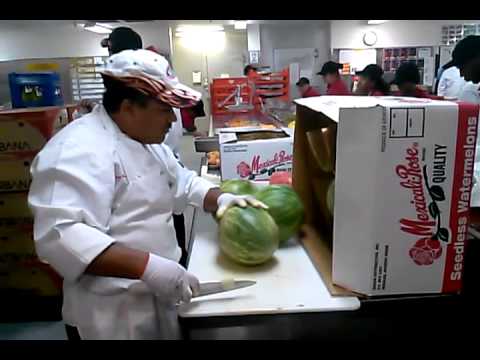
285	207
248	236
238	187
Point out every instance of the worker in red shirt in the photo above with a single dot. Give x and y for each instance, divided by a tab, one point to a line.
371	82
407	79
331	75
250	71
303	85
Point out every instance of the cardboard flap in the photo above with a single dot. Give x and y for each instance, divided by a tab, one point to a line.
331	105
224	138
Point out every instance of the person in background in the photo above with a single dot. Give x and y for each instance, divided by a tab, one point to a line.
466	56
250	71
189	115
407	79
122	38
103	192
335	85
371	82
450	82
305	89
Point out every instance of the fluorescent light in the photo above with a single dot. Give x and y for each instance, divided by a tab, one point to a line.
96	28
240	24
376	22
197	29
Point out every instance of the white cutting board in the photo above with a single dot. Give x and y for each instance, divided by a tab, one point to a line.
287	284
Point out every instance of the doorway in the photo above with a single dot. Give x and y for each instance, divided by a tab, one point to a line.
198	60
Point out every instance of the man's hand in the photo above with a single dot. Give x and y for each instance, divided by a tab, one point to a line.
225	201
169	280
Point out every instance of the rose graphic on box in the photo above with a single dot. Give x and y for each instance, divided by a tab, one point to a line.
425	251
243	170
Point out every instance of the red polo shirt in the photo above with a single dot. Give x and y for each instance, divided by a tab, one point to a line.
311	92
423	94
338	88
376	93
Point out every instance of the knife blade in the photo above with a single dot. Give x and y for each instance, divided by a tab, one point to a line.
214	287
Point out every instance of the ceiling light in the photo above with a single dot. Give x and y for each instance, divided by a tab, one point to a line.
96	28
376	22
240	24
197	29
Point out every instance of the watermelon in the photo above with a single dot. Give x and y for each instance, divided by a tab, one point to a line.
331	197
248	236
285	207
238	187
281	178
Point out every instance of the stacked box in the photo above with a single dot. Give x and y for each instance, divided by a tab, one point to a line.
23	133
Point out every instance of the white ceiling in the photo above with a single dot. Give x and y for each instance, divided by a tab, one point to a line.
31	23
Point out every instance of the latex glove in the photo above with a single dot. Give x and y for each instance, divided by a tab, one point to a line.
226	201
169	280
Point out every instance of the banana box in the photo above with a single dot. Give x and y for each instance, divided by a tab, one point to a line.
17	238
23	132
15	175
29	275
14	205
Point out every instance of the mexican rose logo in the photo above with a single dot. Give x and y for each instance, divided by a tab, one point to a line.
260	166
425	198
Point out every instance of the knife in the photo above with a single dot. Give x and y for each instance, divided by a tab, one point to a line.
214	287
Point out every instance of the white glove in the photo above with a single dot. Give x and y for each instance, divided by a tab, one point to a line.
226	200
169	280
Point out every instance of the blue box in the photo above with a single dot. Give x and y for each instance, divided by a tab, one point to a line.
35	89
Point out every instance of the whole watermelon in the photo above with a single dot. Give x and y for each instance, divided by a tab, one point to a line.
331	197
285	207
238	187
248	236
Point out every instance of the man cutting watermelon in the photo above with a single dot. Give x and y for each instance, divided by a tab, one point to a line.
103	193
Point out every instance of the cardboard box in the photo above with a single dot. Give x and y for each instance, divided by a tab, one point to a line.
15	175
402	169
253	153
14	205
16	236
27	274
23	132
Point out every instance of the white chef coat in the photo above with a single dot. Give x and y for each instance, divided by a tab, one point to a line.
175	134
451	83
93	186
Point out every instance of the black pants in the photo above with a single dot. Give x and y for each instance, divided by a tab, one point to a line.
179	224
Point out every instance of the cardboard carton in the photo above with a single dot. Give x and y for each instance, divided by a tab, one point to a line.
253	153
402	171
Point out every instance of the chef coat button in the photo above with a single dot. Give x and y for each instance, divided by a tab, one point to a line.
170	184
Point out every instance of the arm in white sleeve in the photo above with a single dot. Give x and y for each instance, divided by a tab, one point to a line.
189	188
443	84
70	196
470	93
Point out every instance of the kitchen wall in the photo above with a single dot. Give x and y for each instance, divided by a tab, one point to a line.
63	40
348	34
291	36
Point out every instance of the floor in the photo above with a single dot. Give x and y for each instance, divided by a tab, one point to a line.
56	330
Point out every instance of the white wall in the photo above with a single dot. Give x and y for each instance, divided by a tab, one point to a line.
292	36
64	40
348	34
